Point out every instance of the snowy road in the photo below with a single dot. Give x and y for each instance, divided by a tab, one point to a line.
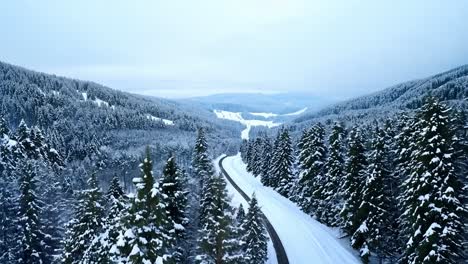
305	240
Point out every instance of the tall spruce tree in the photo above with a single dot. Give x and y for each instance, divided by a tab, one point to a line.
254	239
86	224
175	199
282	163
334	173
32	236
433	191
317	205
104	245
352	186
266	161
374	211
201	161
218	243
145	238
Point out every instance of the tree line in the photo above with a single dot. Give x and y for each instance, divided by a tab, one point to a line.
397	189
174	217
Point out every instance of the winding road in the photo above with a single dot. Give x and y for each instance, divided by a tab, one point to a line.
281	256
296	237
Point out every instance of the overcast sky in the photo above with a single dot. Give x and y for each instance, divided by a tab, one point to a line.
178	48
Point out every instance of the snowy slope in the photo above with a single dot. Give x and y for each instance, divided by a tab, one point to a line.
305	240
237	116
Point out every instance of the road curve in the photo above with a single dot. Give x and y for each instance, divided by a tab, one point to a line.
281	256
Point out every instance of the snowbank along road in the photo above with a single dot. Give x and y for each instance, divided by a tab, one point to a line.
281	256
305	240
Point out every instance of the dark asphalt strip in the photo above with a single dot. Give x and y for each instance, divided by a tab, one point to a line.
279	249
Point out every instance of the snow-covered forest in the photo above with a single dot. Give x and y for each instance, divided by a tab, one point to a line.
89	174
397	189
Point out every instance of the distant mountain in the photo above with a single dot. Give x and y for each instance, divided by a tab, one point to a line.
282	103
450	86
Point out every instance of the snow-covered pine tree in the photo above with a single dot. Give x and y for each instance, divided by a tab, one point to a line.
104	246
334	173
201	162
250	156
86	224
175	198
257	159
303	184
282	161
374	211
145	238
32	236
433	191
254	240
318	181
240	216
243	149
218	243
266	161
9	227
4	130
353	179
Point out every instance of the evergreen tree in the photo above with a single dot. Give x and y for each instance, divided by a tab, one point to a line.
266	162
255	239
374	211
104	245
32	237
334	173
145	239
352	186
175	199
201	162
9	225
314	180
86	224
433	192
257	158
218	243
282	162
240	214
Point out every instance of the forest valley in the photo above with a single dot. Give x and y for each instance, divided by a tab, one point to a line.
397	189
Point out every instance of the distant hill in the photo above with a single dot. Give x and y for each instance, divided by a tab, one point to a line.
282	103
450	86
88	121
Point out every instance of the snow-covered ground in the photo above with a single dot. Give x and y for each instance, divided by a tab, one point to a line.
236	200
237	116
269	115
305	240
167	122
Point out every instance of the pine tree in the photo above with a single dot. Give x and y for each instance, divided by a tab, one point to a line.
255	239
313	180
433	191
175	199
240	214
266	162
32	237
374	211
145	238
352	186
334	173
201	162
218	243
8	225
86	224
104	245
282	162
257	159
